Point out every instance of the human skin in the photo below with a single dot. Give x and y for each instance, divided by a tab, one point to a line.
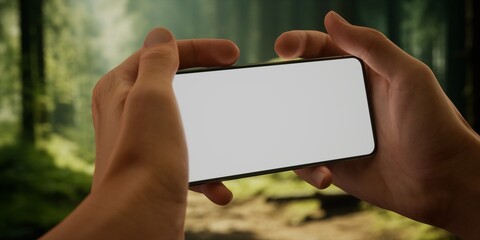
427	162
426	165
140	181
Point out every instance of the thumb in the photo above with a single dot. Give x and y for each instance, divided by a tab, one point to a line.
158	58
376	50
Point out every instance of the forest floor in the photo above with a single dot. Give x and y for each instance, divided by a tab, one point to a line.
281	207
257	218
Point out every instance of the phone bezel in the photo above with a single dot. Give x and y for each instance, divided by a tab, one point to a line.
293	167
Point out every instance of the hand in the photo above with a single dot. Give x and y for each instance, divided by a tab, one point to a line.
427	160
141	176
112	90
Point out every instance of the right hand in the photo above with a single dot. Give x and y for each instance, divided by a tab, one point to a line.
427	162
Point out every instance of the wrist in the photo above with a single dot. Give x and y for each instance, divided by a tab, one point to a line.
123	210
462	216
143	204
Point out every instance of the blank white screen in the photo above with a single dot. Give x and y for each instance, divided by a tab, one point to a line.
248	120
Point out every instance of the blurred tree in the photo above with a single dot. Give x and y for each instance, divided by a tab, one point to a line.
252	24
9	68
34	114
73	64
394	9
84	39
424	29
456	54
349	10
36	194
475	62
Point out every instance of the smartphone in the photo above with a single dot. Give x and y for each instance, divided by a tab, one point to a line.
251	120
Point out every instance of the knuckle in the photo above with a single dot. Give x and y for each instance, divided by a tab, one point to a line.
158	53
421	70
112	86
97	96
186	52
104	86
193	48
376	35
98	90
164	56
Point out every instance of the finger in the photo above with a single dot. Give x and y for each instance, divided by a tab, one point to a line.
376	50
319	177
129	67
207	53
151	134
192	53
306	44
108	89
216	192
158	57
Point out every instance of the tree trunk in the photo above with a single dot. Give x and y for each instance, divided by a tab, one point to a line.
476	65
394	11
456	61
33	70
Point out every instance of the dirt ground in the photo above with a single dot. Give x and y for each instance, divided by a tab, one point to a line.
259	219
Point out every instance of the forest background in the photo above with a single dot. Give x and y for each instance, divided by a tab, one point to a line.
53	52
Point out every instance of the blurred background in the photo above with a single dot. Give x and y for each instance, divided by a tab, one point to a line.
53	52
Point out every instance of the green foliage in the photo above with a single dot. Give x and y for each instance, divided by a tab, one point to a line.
66	154
425	27
36	194
390	224
84	39
297	212
274	185
387	224
277	184
9	71
74	62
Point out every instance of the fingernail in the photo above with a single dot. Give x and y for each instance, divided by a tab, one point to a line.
340	18
318	178
157	36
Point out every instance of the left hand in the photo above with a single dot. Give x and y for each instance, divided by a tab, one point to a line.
140	181
114	89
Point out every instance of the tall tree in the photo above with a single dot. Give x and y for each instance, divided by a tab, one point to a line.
476	65
456	59
32	69
394	13
9	69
